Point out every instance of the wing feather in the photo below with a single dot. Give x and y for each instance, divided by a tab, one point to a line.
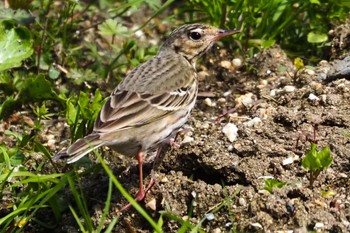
139	100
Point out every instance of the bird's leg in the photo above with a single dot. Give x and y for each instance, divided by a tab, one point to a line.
142	191
172	141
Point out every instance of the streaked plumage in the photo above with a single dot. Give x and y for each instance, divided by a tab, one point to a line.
149	106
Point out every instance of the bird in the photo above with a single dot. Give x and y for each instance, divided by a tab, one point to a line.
151	104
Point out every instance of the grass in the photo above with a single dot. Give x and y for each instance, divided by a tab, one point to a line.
60	58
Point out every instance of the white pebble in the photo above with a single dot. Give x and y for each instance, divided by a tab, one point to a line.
289	88
237	62
313	97
187	139
257	225
221	100
209	103
309	72
231	131
194	194
226	64
252	122
247	99
242	202
152	204
287	161
319	226
227	93
210	216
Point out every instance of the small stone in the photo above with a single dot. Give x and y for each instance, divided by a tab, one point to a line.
209	102
217	230
312	97
287	161
227	93
237	62
187	139
152	204
221	100
252	122
231	131
257	225
242	202
289	88
309	71
319	226
323	98
164	180
210	216
246	100
226	64
202	75
194	194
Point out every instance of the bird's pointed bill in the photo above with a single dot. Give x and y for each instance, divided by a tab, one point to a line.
223	33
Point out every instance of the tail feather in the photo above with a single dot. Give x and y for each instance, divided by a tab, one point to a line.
80	148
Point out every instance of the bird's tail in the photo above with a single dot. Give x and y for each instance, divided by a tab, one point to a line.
80	148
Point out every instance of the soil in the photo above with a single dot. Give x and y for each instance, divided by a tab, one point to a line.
278	112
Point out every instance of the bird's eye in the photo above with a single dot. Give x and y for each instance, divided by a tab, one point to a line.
194	35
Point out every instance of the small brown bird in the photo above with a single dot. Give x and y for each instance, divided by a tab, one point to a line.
153	102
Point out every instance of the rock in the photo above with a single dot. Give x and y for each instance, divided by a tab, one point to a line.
237	62
209	102
289	88
231	131
312	97
246	100
152	204
210	216
226	64
252	122
287	161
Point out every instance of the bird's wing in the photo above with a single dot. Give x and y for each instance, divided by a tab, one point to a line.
125	109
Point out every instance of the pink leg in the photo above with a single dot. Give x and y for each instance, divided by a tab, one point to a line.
142	192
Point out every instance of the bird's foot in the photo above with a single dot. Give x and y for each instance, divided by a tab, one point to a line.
141	194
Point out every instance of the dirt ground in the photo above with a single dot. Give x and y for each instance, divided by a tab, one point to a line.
275	109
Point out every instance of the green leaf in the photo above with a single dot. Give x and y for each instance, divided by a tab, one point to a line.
17	159
313	37
110	27
53	73
8	105
16	44
268	43
38	88
271	183
317	161
97	103
19	16
71	112
315	2
325	157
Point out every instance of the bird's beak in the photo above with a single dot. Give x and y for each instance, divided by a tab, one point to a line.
223	33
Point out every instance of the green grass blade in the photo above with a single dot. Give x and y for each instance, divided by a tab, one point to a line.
111	225
128	196
107	205
81	203
75	215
